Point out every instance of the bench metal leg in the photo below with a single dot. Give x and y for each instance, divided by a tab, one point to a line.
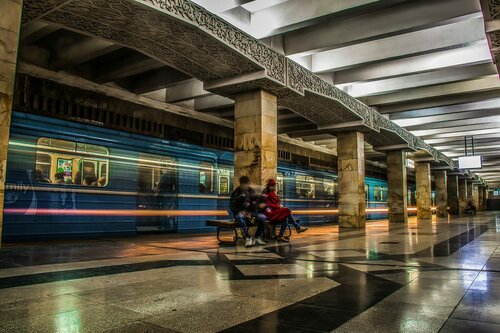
225	242
288	231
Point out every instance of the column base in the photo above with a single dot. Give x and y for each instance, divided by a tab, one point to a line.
398	218
352	221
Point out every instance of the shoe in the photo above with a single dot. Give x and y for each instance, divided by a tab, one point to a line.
248	242
259	241
283	239
302	229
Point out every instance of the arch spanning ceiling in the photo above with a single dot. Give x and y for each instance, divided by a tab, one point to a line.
225	60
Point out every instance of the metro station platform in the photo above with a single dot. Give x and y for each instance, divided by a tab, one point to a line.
439	276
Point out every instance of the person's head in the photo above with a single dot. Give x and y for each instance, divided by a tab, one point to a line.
244	183
38	173
271	185
78	178
101	181
88	180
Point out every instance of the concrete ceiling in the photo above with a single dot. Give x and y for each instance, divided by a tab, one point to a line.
426	64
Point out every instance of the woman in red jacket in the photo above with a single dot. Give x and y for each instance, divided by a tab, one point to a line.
276	213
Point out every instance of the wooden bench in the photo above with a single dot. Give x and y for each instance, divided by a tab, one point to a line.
224	224
270	231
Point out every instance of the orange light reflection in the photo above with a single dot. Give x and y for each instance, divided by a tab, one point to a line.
116	212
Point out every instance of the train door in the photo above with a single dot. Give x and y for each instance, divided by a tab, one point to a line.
224	181
224	186
157	193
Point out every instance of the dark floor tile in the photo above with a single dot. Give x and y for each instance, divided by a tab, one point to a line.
31	279
466	326
493	265
225	267
266	326
345	299
479	305
308	317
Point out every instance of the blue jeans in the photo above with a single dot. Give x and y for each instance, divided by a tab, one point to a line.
288	220
243	221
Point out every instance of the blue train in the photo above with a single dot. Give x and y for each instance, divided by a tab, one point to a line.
58	169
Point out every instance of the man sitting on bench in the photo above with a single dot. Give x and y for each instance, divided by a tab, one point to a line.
470	209
242	205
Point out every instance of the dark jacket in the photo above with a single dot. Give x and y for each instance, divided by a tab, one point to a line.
261	199
242	200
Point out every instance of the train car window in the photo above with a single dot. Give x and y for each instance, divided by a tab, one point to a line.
157	173
224	181
433	198
367	193
206	180
64	171
329	188
43	163
280	184
305	187
380	193
68	162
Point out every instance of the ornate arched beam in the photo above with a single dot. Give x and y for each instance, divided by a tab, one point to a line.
187	37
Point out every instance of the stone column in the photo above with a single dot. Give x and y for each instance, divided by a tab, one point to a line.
453	201
480	190
462	195
470	196
256	136
423	182
10	21
441	186
475	195
397	186
351	169
485	198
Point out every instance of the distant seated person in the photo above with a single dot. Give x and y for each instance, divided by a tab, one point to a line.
78	178
470	209
90	181
242	205
277	213
39	177
59	178
101	181
166	183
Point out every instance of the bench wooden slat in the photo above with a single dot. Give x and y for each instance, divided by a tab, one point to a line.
221	223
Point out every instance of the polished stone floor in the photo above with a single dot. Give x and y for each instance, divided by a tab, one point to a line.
439	276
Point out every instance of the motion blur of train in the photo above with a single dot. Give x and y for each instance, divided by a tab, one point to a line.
58	169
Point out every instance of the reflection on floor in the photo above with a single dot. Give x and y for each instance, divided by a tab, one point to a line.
439	276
